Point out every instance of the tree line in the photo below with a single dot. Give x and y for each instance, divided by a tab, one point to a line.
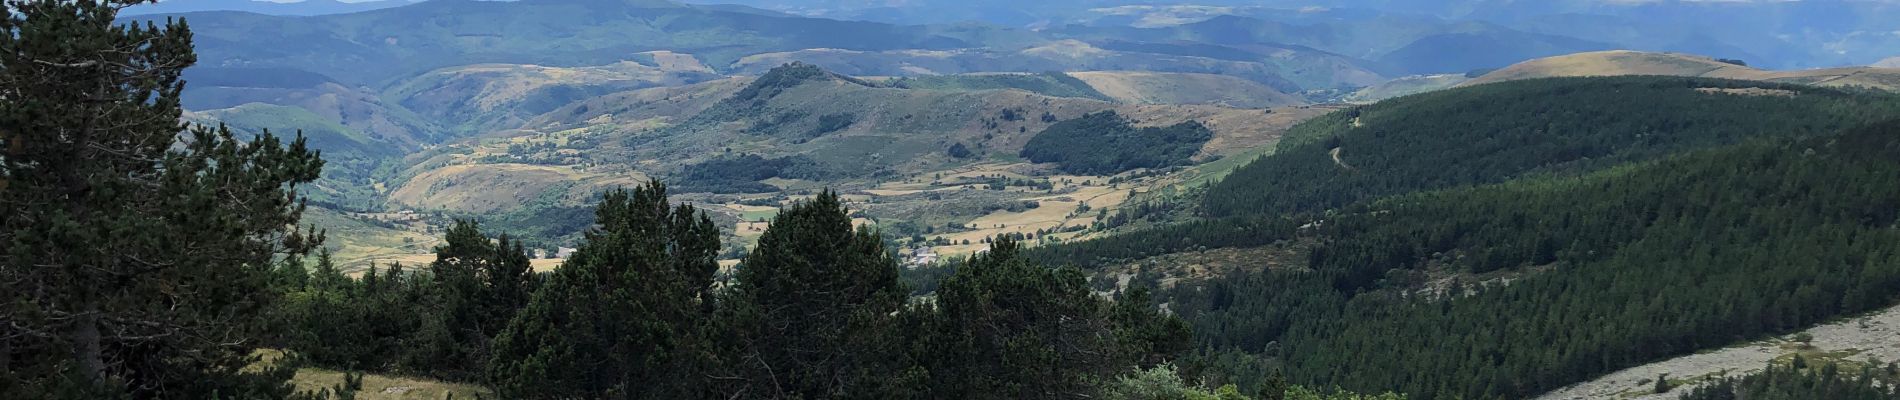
816	311
1794	382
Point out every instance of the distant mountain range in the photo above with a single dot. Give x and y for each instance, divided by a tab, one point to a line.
303	7
1776	34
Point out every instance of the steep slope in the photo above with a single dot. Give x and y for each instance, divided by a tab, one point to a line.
1136	87
351	157
1888	63
211	88
1513	289
1613	63
487	97
1575	276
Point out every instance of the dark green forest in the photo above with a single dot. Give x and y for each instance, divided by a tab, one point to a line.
1493	133
742	173
1105	143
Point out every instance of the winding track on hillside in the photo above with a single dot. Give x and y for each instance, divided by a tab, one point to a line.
1874	335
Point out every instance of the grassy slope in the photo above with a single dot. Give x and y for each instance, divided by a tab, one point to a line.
1611	63
1405	86
1137	87
485	97
1054	84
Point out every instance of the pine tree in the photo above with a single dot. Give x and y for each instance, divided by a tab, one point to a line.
136	261
1008	328
809	298
479	284
1275	387
623	317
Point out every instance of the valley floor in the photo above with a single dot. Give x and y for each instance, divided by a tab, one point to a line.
1873	336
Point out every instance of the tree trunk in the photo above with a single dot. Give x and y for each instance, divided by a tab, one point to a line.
86	349
6	355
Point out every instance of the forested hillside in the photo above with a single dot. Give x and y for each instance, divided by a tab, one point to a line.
1493	133
1504	240
1610	269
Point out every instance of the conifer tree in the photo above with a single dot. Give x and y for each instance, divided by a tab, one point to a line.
1009	328
810	299
623	317
479	284
136	261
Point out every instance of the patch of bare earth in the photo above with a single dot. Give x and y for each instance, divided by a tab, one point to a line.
1206	264
1749	91
1873	336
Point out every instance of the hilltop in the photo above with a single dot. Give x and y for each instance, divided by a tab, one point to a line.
836	127
486	97
941	165
1136	87
1613	63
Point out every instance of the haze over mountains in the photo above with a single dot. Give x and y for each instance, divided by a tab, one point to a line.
406	94
931	199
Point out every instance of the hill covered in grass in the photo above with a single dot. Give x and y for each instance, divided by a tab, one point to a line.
1615	63
928	162
845	128
1139	87
1055	84
488	97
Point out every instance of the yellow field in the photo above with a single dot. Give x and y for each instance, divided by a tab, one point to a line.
1056	207
375	387
382	387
